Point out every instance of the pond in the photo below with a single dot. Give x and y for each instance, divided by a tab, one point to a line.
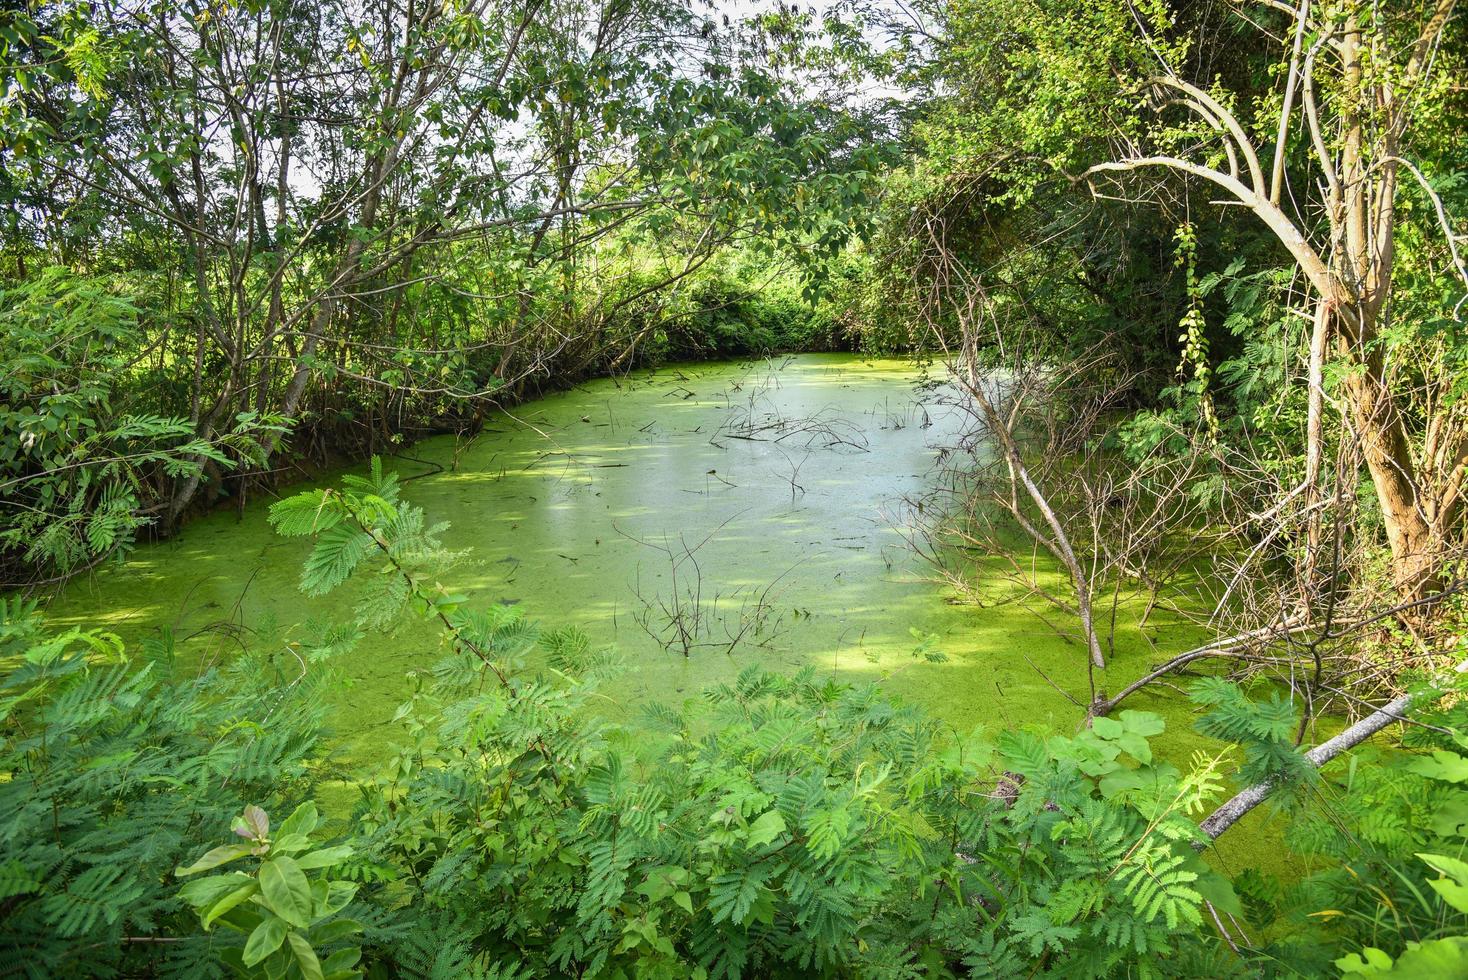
776	487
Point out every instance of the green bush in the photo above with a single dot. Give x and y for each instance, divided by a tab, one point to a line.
776	826
782	826
110	776
84	454
282	912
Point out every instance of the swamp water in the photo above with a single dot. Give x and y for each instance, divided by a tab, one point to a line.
776	486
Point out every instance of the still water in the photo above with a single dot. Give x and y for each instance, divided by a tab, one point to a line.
776	487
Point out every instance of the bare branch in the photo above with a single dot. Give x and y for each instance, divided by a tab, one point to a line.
1231	812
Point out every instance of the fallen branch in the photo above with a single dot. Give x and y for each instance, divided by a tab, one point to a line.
1225	647
1232	811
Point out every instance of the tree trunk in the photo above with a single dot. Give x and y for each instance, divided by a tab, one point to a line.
1388	453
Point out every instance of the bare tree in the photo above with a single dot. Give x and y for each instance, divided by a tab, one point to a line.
1356	127
1284	602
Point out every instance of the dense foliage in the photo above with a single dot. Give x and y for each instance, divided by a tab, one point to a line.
82	456
114	765
1245	219
375	221
1198	271
777	826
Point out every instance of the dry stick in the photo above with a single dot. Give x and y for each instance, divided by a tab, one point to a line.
1059	545
1232	811
1228	646
1232	645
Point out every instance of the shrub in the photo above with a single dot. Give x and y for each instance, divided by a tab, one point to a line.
111	775
782	826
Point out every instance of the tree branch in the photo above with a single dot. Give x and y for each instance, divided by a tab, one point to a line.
1233	811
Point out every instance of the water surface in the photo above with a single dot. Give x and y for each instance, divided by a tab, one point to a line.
777	486
784	480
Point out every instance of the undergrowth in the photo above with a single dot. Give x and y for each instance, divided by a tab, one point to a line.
777	826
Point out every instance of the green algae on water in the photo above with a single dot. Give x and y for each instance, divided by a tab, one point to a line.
775	487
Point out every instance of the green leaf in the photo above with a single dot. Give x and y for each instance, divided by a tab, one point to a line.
1121	781
1450	767
767	828
1370	961
1445	865
266	939
330	932
1216	889
203	892
229	901
1454	886
213	859
1135	746
1435	959
340	963
325	857
338	895
302	820
337	553
1143	723
305	957
1452	819
305	513
1452	892
286	891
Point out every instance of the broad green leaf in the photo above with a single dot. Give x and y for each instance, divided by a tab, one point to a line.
203	892
1447	766
1454	886
241	894
1120	781
1452	819
339	895
1143	723
767	828
1453	893
341	962
302	821
325	857
213	859
330	932
266	939
305	957
1370	961
1135	746
286	891
289	843
1450	866
1436	959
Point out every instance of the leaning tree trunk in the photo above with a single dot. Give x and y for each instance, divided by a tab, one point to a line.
1388	454
1350	263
